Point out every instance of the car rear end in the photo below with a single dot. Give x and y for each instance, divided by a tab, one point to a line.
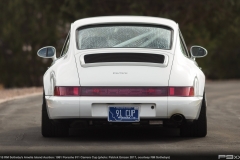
124	79
129	94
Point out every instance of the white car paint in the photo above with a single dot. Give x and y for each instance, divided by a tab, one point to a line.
70	70
136	74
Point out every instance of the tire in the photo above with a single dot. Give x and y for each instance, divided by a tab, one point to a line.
49	127
199	126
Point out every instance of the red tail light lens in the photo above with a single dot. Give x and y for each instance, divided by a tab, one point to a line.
124	91
66	91
181	91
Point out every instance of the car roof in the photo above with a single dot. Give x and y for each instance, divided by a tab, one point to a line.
125	19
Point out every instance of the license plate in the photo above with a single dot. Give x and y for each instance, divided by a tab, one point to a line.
123	114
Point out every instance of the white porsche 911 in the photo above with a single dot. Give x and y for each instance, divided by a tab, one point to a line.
124	70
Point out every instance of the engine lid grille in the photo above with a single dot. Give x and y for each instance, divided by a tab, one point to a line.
124	57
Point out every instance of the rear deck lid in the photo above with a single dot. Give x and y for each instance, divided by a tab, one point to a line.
124	67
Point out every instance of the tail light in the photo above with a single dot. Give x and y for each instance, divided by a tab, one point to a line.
124	91
181	91
66	91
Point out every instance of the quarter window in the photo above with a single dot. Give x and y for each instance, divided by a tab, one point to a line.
65	46
183	45
183	48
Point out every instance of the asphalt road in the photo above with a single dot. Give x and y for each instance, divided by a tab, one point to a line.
20	131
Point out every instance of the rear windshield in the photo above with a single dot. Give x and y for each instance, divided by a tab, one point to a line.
117	36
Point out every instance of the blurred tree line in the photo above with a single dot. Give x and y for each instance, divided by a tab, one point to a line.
27	25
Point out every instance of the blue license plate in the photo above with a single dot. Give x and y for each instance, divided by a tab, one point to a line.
123	114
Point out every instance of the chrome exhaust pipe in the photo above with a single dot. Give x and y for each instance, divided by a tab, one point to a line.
177	118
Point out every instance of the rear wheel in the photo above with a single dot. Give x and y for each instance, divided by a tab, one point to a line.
49	127
199	126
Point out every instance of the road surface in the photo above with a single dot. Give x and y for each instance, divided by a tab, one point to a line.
20	131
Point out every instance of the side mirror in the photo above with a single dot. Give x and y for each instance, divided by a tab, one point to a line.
198	51
47	52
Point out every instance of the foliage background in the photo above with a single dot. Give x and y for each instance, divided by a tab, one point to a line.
27	25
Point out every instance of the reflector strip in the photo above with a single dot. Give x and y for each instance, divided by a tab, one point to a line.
171	91
124	91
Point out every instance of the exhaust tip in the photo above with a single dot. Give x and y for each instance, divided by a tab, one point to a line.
177	118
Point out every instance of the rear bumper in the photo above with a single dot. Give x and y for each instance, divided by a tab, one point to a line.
97	107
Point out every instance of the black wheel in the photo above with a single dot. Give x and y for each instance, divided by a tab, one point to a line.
49	127
199	126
